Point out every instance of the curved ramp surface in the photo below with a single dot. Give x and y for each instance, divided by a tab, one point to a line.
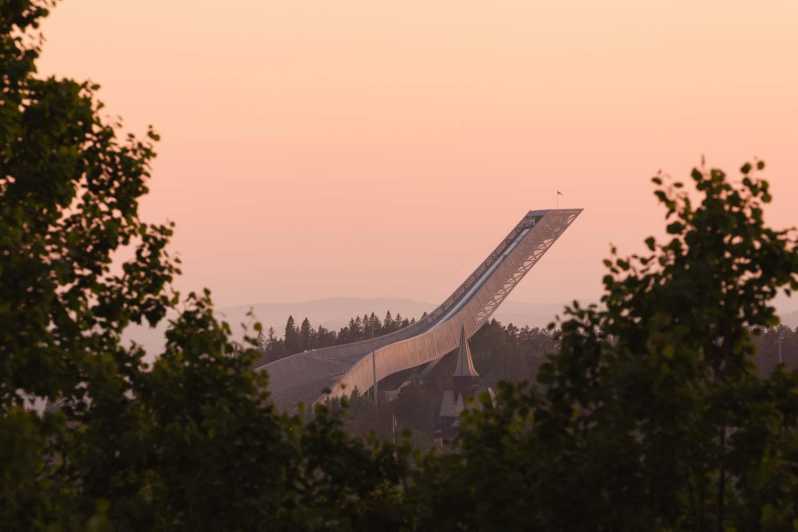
335	371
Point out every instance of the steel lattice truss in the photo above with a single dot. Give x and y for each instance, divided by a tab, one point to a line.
357	366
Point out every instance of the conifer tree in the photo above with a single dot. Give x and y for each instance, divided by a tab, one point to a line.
291	337
387	324
305	335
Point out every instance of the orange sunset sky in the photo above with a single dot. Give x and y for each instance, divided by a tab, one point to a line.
361	148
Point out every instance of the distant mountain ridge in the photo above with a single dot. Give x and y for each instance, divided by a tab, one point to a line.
334	313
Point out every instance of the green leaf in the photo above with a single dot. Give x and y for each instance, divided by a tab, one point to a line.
675	228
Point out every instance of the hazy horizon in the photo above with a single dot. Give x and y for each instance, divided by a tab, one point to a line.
314	150
333	313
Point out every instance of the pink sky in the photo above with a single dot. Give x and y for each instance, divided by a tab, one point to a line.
359	148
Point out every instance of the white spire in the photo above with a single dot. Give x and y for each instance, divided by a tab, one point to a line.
465	364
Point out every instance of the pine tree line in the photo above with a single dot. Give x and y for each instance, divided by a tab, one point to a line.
306	336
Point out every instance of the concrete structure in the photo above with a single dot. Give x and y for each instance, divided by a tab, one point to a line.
465	376
336	371
465	386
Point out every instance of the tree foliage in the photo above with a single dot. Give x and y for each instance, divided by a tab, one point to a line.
191	442
651	415
306	337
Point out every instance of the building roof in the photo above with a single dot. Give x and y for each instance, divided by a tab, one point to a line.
451	405
465	364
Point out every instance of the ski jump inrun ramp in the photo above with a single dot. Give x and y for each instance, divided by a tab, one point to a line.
338	370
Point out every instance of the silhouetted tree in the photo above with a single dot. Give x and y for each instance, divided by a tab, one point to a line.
305	335
189	442
291	337
652	415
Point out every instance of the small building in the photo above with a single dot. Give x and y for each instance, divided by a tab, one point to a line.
465	385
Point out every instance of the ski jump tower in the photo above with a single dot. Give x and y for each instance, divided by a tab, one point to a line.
333	372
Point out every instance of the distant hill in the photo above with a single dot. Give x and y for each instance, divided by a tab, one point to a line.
522	313
334	313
